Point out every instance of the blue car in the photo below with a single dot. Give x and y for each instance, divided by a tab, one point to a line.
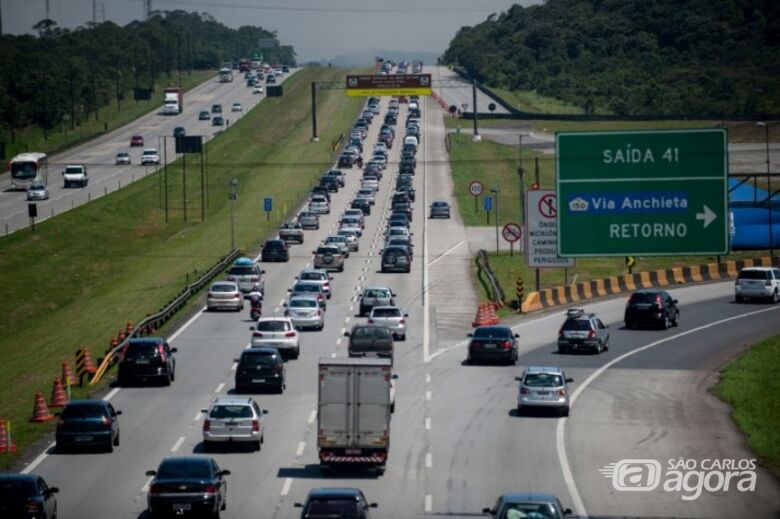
88	423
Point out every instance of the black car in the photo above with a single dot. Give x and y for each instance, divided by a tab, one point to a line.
401	197
396	259
403	207
358	143
87	423
346	160
204	115
275	250
653	307
187	485
347	503
373	170
398	220
147	358
285	69
217	121
391	119
363	204
330	183
260	368
406	167
179	131
409	190
366	340
27	495
493	343
409	148
216	109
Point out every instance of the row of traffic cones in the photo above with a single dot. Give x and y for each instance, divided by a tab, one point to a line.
59	398
486	315
6	443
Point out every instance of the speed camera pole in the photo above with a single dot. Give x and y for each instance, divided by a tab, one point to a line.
232	184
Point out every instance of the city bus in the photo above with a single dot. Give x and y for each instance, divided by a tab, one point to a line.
28	169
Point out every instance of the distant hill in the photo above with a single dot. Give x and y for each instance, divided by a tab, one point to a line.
367	57
665	57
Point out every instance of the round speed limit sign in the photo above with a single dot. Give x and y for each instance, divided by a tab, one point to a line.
476	188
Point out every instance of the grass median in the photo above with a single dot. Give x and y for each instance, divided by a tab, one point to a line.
77	279
750	385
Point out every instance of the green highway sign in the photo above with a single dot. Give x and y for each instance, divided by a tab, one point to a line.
642	193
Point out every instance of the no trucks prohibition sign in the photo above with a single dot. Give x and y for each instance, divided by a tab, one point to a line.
511	232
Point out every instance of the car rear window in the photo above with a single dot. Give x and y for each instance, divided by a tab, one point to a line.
370	332
535	510
492	333
386	312
223	287
230	411
273	326
754	274
258	359
12	490
303	303
142	350
332	508
82	411
313	276
543	380
644	297
576	325
274	245
184	469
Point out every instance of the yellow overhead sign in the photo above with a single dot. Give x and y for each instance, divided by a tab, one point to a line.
389	85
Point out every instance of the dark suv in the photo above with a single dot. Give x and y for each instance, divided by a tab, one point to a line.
654	307
148	358
336	502
261	367
275	250
88	423
367	340
582	331
396	259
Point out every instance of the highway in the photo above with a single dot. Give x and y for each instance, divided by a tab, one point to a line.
454	90
456	441
99	154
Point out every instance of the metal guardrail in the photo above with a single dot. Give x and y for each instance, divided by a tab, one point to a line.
165	314
496	292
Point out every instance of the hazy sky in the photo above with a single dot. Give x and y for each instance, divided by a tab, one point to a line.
318	29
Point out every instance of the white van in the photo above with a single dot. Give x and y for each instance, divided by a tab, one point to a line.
411	139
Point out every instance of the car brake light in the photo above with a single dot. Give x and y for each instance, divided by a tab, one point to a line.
659	302
505	344
524	391
254	279
560	333
257	334
319	312
255	426
105	421
154	490
289	334
287	313
278	368
402	321
562	392
768	283
475	345
210	489
161	350
34	508
370	321
591	334
206	424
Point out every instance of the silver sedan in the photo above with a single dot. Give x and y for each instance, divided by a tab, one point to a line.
225	295
305	312
390	317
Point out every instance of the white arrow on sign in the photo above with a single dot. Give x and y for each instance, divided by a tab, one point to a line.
708	216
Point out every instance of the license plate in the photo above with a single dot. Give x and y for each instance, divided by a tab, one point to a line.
258	380
182	506
543	393
83	438
353	451
142	361
489	346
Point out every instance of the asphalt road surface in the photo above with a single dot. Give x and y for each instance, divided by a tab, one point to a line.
456	441
99	154
454	90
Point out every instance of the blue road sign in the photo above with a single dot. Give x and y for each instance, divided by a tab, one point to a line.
267	203
487	203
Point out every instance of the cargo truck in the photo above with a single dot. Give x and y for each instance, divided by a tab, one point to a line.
353	413
174	101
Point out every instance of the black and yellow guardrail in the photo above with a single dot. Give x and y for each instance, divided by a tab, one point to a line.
578	292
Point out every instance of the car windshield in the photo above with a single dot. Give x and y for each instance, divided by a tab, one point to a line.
241	271
257	359
492	333
754	274
273	326
184	469
543	380
223	287
303	303
11	489
386	312
529	511
576	325
82	411
230	411
332	508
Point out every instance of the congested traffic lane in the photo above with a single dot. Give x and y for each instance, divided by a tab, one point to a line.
166	421
99	153
654	404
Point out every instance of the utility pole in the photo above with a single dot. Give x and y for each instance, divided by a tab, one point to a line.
495	198
232	184
45	110
476	137
769	189
116	69
314	137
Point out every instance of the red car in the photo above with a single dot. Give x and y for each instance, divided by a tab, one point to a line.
136	140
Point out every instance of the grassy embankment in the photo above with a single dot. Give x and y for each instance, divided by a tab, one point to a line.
496	165
81	275
61	136
750	385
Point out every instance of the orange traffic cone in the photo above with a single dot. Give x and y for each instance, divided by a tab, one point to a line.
121	336
67	377
40	411
6	443
58	396
129	328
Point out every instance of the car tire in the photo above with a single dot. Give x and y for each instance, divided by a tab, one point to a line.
739	299
297	353
258	446
676	320
110	445
167	380
116	440
392	407
207	447
773	300
561	351
280	388
565	411
666	323
519	410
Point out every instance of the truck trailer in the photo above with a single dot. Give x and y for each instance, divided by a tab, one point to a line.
353	413
173	103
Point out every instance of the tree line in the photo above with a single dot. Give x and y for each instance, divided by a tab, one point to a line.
69	74
664	57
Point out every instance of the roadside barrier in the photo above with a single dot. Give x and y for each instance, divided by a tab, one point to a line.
40	411
84	364
495	290
153	322
6	443
575	293
58	396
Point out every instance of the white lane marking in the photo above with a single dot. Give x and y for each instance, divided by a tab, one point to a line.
220	387
281	302
427	378
338	342
301	448
37	461
352	307
427	395
428	503
312	416
333	355
441	256
186	325
346	320
198	417
145	488
111	393
429	460
428	424
234	366
308	265
286	486
178	443
343	330
560	433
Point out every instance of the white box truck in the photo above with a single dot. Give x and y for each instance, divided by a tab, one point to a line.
353	413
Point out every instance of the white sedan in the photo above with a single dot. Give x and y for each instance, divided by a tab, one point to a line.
278	332
258	89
